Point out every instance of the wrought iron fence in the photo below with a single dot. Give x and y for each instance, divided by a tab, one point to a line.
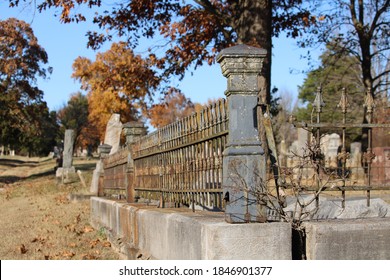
181	163
116	174
348	170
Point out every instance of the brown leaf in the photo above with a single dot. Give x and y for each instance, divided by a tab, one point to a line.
93	243
23	249
89	257
106	244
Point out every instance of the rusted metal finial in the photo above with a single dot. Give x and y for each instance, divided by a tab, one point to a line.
318	101
369	102
344	103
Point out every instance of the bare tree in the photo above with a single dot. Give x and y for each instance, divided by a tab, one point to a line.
362	29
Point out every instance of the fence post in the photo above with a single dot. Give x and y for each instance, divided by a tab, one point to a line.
132	131
244	162
103	150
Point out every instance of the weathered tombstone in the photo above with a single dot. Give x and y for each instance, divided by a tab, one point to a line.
103	150
303	141
244	162
68	149
357	171
110	146
66	172
333	146
113	133
283	153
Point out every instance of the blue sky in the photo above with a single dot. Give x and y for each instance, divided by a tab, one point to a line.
65	42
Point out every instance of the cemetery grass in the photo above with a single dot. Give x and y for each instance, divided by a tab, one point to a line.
39	222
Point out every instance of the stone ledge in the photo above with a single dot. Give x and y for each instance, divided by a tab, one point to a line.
182	234
355	239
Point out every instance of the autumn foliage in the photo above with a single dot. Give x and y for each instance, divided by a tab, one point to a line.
185	35
173	107
194	31
25	120
118	81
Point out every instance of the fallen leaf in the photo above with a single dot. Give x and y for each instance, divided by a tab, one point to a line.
89	257
88	229
68	254
93	243
23	249
106	244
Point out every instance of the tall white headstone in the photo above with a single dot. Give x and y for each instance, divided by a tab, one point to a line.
113	133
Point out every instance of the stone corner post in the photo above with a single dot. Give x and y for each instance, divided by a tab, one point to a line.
244	162
133	131
98	174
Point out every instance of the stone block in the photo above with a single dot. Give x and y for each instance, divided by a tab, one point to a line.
359	239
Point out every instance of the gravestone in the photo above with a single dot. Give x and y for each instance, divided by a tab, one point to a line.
111	145
357	171
67	171
68	149
103	151
329	147
334	144
283	153
113	133
303	141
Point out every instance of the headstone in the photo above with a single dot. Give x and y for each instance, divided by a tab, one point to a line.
357	171
113	133
330	144
68	149
303	141
103	150
283	153
334	144
67	172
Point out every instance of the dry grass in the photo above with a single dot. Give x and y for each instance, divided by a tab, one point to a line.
37	220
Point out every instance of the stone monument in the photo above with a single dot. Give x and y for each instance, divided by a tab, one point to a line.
113	133
355	163
66	172
110	146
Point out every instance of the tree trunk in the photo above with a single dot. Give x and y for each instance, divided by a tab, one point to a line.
254	27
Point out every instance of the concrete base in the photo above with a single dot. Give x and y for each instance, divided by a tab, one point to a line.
358	239
181	234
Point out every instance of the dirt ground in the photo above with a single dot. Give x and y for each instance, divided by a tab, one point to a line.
38	221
